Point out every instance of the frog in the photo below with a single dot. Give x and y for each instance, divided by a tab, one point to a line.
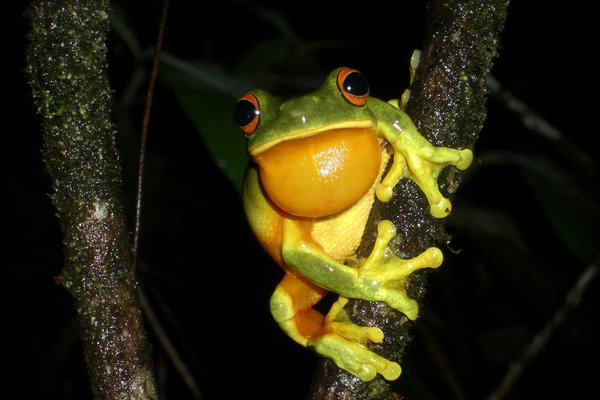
317	163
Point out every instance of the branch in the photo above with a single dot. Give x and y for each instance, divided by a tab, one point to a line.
539	126
66	67
541	339
144	133
447	104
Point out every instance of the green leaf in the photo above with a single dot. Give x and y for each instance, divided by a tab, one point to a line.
207	94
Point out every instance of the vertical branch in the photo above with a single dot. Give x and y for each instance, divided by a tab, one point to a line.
447	104
67	71
448	95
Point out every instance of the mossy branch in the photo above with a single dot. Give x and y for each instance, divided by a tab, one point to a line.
448	105
67	71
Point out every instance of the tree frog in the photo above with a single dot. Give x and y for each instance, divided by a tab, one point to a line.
317	162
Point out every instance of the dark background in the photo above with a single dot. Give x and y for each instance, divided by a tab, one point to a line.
525	218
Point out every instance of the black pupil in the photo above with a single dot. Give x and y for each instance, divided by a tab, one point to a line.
356	84
243	112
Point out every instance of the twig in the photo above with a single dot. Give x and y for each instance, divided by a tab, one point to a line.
144	134
538	125
539	341
168	346
162	336
455	387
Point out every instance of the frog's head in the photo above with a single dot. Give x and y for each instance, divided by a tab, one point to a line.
317	153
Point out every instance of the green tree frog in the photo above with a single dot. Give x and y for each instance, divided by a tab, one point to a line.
317	163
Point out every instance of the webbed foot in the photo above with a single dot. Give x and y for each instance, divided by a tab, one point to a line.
345	344
422	162
383	274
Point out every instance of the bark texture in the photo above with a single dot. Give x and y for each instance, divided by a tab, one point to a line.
67	72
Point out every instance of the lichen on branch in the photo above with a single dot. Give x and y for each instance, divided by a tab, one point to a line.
67	72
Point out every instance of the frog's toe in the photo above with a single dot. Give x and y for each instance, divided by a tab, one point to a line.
356	333
401	302
466	159
384	192
441	208
392	371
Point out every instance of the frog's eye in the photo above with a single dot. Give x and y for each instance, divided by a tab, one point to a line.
354	86
246	113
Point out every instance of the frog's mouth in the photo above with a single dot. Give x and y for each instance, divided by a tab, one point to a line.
323	172
305	133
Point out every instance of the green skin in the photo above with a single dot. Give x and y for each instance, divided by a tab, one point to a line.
382	276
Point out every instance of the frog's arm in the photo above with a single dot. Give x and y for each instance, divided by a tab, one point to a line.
415	158
380	277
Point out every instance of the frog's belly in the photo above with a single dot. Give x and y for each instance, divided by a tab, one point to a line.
339	235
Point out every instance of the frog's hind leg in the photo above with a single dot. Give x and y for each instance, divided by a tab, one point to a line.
292	308
333	336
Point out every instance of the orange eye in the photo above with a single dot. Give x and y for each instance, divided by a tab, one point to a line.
354	86
246	113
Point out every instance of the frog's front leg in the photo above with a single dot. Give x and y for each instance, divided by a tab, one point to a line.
419	160
381	277
386	274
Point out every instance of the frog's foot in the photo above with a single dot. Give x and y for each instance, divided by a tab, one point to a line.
384	274
345	344
425	166
355	357
418	160
333	336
